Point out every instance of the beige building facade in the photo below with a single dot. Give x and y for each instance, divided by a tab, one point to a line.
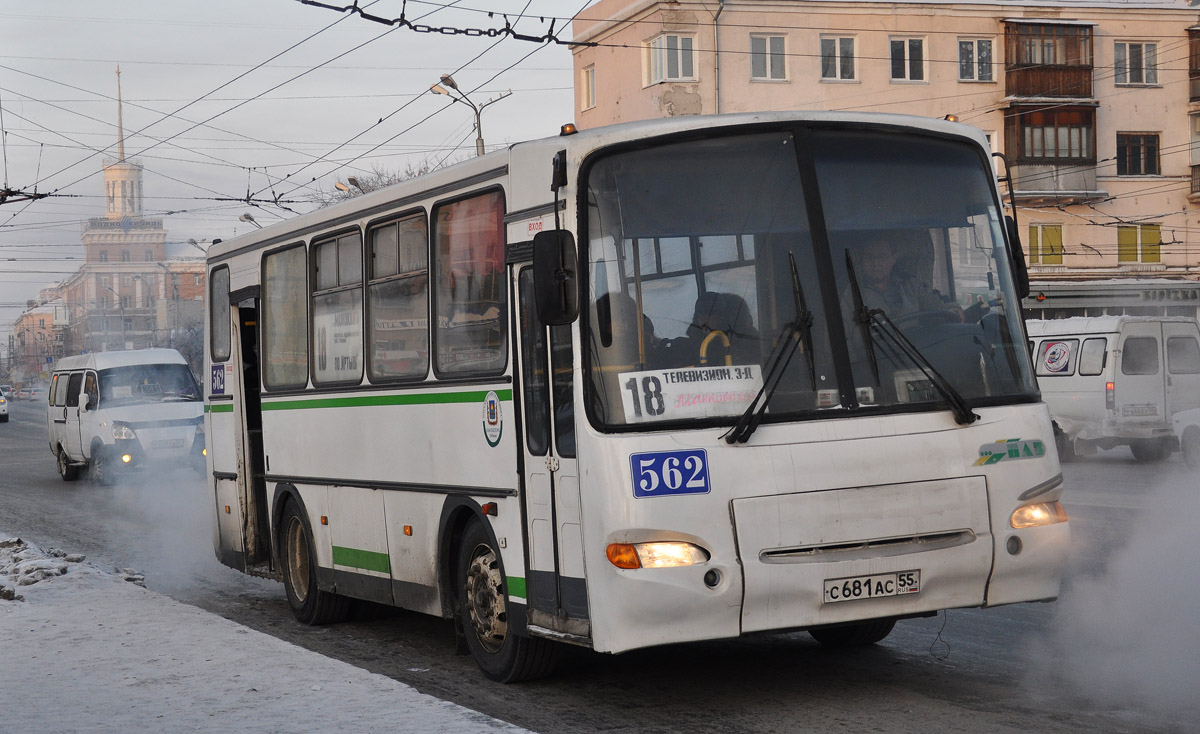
1095	107
129	294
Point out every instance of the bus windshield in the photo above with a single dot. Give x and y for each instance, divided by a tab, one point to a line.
804	259
147	383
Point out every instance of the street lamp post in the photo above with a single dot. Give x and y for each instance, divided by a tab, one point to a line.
462	97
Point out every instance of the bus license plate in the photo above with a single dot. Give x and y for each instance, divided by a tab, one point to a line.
168	443
870	587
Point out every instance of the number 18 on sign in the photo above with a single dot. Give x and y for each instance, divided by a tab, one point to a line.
661	473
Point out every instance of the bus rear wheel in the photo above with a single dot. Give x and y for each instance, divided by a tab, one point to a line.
309	604
501	654
854	635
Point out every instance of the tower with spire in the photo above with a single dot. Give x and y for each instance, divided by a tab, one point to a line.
123	234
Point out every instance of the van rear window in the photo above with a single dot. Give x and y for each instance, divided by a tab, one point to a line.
1139	356
1056	357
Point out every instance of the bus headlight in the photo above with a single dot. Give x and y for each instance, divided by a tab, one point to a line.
1040	513
122	431
655	555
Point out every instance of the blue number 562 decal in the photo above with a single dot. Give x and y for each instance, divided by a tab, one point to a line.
669	472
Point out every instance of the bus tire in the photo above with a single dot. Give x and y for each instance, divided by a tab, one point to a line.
65	470
1191	448
1147	450
503	656
309	604
854	635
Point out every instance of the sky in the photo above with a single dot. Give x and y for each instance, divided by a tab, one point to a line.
85	650
225	100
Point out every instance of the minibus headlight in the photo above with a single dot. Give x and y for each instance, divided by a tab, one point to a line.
1038	514
655	555
121	431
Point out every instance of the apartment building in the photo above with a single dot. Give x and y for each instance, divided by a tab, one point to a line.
1094	105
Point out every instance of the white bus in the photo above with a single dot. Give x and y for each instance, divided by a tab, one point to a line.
640	385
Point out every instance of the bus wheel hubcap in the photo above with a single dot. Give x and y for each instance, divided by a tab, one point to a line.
297	560
485	599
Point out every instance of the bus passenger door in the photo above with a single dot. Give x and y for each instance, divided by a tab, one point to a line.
251	483
556	590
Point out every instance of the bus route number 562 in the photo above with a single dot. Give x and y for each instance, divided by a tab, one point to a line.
660	473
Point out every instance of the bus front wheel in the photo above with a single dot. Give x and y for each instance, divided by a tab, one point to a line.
853	635
310	604
501	654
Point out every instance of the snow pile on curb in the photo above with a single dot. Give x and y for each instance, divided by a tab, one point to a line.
109	655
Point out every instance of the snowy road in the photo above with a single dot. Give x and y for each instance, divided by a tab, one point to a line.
1117	653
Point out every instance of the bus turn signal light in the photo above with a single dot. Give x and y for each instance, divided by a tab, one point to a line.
655	555
1035	515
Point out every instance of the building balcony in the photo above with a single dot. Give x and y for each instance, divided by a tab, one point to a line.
1052	183
1048	81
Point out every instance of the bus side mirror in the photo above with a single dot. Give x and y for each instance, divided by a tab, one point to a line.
555	277
1020	269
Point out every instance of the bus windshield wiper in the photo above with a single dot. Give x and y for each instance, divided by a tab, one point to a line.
878	318
798	332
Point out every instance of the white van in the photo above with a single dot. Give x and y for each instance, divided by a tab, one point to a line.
1117	380
112	412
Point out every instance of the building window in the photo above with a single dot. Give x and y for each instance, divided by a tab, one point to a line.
1045	244
1050	45
197	279
589	88
127	280
1139	244
125	256
126	302
104	256
767	58
837	58
1053	135
1135	63
1137	154
149	255
670	59
908	59
974	60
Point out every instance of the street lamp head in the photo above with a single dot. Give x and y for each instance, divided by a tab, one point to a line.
439	89
340	186
449	81
247	218
354	182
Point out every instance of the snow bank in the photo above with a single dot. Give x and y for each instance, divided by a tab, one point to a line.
83	649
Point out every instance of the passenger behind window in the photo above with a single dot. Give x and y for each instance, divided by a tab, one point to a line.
721	333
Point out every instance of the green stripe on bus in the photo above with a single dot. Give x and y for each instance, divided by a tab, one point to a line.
364	559
221	408
359	401
516	586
